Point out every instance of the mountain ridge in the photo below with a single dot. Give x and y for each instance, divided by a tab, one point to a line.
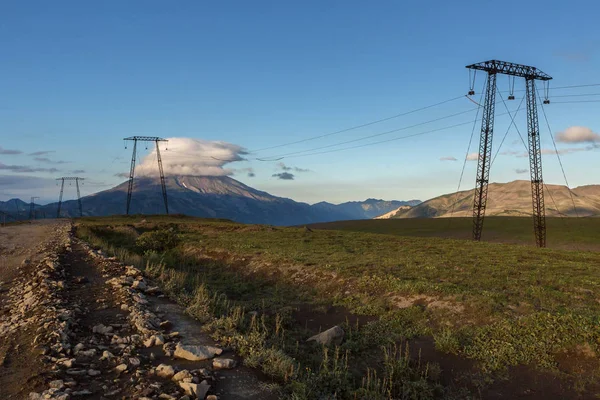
510	199
216	197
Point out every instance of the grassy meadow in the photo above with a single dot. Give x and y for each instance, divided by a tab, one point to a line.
563	233
425	317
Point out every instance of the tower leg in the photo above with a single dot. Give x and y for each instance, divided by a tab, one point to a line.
62	187
79	197
131	172
162	178
535	166
485	157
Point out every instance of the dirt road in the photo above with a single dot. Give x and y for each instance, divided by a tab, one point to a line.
76	324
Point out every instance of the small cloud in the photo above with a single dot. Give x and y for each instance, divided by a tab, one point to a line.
248	171
521	171
570	150
448	158
49	161
286	176
284	167
122	175
25	168
577	134
473	157
78	171
511	153
41	153
7	151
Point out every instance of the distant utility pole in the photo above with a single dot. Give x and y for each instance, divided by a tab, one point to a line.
531	74
62	186
154	139
32	207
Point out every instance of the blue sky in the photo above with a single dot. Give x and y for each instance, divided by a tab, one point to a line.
76	77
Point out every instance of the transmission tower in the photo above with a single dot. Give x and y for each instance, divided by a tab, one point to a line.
154	139
32	207
531	74
62	187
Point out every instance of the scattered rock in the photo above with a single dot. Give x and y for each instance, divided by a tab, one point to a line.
140	285
223	363
93	372
57	384
121	367
196	352
333	336
165	371
197	390
103	330
181	375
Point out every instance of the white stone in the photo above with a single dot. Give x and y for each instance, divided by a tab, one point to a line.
165	371
121	367
223	363
181	375
196	352
333	335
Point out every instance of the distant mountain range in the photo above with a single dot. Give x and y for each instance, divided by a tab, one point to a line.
508	199
211	197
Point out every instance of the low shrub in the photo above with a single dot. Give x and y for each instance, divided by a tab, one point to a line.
158	241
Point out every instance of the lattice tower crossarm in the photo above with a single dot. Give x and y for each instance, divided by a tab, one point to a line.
508	68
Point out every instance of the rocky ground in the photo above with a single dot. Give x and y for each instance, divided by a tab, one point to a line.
77	324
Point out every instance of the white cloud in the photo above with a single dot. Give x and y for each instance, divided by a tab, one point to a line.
578	134
473	157
571	149
186	156
448	158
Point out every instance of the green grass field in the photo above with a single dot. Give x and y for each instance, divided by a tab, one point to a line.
425	317
563	233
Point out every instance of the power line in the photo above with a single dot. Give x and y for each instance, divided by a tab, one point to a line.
374	135
559	160
358	126
558	87
390	140
576	95
527	149
576	101
462	172
512	122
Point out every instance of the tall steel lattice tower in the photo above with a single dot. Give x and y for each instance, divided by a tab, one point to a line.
531	74
156	140
62	188
32	207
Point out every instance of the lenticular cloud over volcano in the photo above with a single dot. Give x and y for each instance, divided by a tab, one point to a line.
186	156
